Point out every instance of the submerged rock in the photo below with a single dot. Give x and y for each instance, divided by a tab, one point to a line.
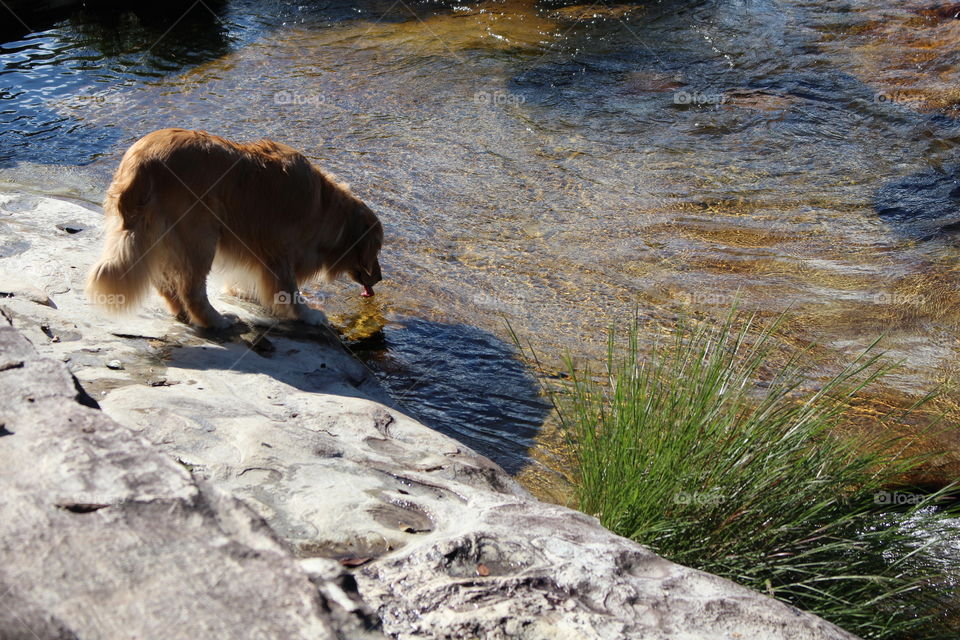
148	529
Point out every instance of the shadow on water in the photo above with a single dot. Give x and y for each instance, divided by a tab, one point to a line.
59	61
459	380
462	381
20	17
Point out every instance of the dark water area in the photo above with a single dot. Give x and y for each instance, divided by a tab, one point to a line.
91	54
558	167
461	380
927	201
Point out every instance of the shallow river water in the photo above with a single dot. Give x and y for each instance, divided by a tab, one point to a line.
556	167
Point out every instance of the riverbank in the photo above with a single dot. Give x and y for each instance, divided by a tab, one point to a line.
440	541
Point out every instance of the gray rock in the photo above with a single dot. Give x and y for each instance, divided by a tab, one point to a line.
11	286
445	544
103	536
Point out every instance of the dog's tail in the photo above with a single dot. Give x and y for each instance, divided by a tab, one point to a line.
122	277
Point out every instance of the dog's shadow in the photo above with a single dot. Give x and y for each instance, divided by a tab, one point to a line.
459	380
305	357
462	381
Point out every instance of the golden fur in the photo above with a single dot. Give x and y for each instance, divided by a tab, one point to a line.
181	198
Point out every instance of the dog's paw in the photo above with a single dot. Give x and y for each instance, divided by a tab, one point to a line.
313	317
221	322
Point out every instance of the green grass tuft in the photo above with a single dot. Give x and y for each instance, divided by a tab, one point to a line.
715	452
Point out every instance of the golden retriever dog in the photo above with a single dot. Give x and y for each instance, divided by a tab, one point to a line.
182	198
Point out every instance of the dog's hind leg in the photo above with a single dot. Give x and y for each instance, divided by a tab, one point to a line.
192	283
167	288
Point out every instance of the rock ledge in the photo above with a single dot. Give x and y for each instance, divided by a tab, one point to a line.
249	471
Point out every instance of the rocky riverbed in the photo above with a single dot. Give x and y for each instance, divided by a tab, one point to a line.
164	483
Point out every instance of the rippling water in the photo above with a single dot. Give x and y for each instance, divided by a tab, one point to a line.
561	166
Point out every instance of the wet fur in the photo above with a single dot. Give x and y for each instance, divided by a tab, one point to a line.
182	198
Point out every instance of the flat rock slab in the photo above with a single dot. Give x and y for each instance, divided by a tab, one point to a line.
104	536
442	542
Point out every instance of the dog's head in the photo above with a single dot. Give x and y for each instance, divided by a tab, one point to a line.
366	266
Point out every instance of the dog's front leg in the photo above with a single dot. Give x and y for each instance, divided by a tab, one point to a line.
280	293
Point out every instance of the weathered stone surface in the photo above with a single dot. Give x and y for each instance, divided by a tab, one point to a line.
103	536
445	544
11	286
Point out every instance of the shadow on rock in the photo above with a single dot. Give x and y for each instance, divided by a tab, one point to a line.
304	357
462	381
